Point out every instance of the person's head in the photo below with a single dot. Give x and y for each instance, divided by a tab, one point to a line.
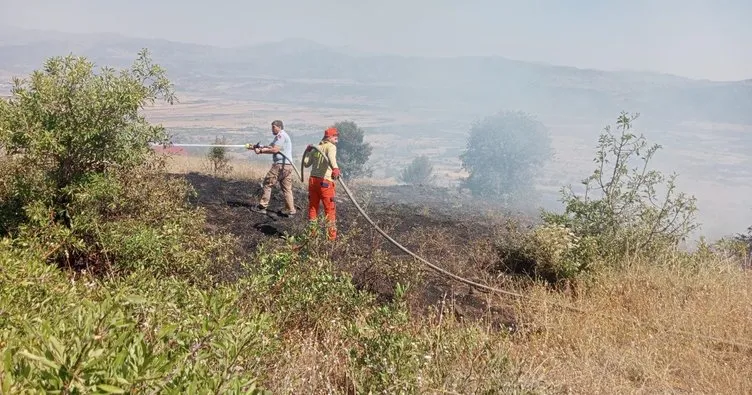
331	134
277	126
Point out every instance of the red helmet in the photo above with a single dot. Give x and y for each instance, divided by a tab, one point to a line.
331	132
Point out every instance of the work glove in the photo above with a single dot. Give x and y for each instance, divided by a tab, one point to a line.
335	173
309	148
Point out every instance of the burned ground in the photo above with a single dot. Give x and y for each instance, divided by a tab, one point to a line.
439	224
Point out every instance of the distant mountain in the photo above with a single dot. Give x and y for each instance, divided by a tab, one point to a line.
304	71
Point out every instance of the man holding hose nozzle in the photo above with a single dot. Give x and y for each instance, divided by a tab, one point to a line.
321	181
281	170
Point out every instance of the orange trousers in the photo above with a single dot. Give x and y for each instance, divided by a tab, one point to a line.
322	191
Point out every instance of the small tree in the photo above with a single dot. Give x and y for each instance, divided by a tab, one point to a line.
79	182
418	172
622	204
503	154
66	123
219	163
352	152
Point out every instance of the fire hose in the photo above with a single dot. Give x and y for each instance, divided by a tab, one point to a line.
400	246
737	344
365	215
498	290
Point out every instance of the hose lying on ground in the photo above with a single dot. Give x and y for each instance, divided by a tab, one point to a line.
739	345
398	245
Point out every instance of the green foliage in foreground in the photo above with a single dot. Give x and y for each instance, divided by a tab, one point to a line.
141	333
137	334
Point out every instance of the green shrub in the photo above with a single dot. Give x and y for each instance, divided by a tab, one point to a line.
388	358
80	181
66	122
303	290
548	251
743	244
627	208
219	162
138	335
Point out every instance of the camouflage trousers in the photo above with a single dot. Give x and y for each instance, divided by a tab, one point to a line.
281	174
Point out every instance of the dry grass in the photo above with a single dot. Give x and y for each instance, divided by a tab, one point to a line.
629	342
648	328
241	169
310	365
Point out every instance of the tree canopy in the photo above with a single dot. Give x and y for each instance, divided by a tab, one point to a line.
503	154
352	152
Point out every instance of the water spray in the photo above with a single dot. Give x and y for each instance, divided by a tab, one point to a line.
204	145
246	146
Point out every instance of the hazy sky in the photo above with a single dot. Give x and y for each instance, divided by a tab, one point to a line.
700	39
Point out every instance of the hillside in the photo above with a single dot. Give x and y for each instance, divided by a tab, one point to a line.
125	271
301	71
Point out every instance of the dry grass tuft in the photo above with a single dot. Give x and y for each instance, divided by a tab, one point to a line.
311	364
629	342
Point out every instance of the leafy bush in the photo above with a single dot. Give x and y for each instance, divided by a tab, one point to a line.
503	155
745	239
303	289
737	248
549	251
80	181
622	205
352	152
418	172
66	122
387	356
143	335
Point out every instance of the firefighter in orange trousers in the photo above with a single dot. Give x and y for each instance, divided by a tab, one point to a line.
321	181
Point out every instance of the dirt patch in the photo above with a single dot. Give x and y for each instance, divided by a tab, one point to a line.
439	224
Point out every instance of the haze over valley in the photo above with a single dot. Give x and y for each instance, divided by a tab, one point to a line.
421	104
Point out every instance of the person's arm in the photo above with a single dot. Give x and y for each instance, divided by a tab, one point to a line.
332	155
273	148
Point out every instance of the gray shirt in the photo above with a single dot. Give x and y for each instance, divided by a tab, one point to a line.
282	140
